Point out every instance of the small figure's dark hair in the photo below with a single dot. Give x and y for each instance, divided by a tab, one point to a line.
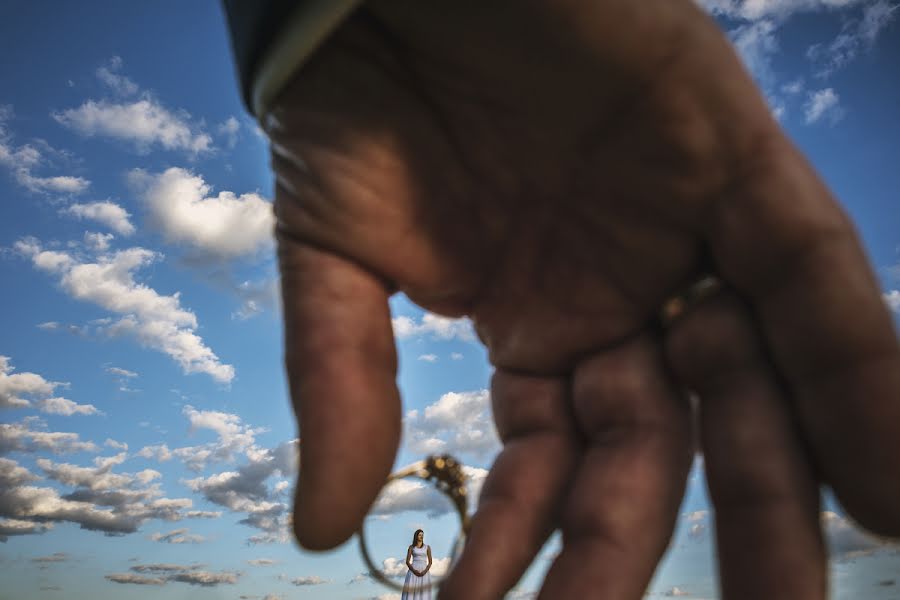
416	534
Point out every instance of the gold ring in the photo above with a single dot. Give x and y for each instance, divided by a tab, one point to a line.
676	306
446	473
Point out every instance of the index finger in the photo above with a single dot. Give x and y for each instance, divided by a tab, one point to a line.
779	238
341	364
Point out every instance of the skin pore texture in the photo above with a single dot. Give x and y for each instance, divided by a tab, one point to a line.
556	171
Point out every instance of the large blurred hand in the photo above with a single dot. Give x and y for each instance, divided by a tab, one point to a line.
555	171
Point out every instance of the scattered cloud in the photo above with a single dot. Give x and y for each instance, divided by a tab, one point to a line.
229	130
459	423
22	160
432	358
308	580
145	123
892	299
698	524
256	297
177	536
224	226
22	437
752	10
434	327
14	387
135	579
206	578
456	356
66	407
247	491
110	443
158	452
823	104
11	527
111	503
163	573
233	439
56	557
262	562
756	44
97	242
119	372
857	35
108	213
406	495
110	75
155	320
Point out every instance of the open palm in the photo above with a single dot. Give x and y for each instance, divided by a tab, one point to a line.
555	171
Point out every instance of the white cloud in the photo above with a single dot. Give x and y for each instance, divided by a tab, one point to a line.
433	326
21	160
164	573
110	75
134	579
892	299
456	356
247	491
408	495
63	406
752	10
11	527
230	128
56	557
144	122
756	44
177	536
108	213
157	321
792	88
233	438
876	16
459	423
20	437
428	358
308	580
159	452
14	386
255	297
111	443
697	523
64	184
674	592
856	36
119	372
97	242
112	503
823	104
262	562
223	226
206	578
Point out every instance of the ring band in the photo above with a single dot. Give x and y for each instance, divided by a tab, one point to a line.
675	307
446	473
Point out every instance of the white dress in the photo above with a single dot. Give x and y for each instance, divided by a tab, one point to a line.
415	587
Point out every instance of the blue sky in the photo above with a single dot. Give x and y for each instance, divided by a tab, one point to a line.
147	443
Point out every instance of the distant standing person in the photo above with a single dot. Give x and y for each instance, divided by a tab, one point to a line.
418	579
